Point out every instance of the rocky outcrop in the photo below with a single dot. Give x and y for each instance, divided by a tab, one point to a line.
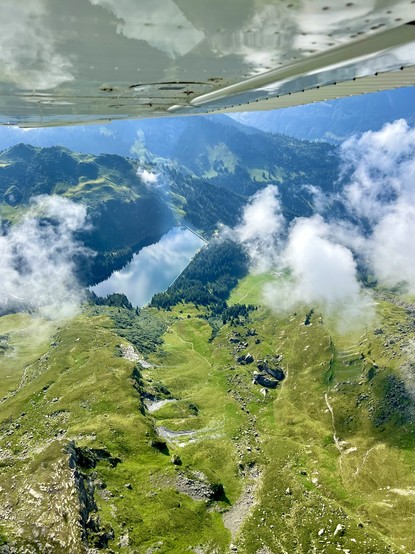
198	487
94	534
261	379
245	359
270	372
89	457
276	372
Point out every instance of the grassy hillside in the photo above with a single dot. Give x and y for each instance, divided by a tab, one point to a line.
125	213
188	454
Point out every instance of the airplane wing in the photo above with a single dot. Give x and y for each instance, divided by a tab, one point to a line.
84	61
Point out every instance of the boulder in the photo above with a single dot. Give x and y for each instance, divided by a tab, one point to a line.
340	530
264	381
245	359
276	372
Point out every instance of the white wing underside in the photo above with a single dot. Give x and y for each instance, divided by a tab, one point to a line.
85	61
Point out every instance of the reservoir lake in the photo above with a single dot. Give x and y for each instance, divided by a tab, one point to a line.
154	268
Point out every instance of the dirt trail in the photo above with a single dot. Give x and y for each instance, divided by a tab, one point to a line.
335	437
364	459
237	515
192	346
250	290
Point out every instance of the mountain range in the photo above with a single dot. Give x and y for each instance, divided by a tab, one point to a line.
188	166
210	421
336	120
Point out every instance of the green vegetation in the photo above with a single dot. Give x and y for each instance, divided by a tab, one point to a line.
187	452
83	393
142	328
125	214
209	279
394	405
128	430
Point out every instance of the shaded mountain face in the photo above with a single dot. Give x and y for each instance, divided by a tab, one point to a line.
200	171
336	120
123	213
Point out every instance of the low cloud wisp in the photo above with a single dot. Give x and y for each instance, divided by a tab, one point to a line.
147	177
261	229
37	267
319	254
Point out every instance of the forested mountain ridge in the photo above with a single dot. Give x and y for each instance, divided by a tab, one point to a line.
336	120
213	167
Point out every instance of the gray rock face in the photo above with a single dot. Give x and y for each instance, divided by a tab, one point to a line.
245	359
264	381
272	370
93	534
198	487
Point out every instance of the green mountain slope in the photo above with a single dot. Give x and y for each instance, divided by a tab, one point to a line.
186	452
123	213
205	157
205	423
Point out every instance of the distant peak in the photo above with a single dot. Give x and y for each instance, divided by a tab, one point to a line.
21	149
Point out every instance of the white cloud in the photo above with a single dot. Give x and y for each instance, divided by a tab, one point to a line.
319	199
382	195
156	22
148	177
320	256
324	270
392	252
28	47
261	228
383	166
323	274
36	258
105	132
